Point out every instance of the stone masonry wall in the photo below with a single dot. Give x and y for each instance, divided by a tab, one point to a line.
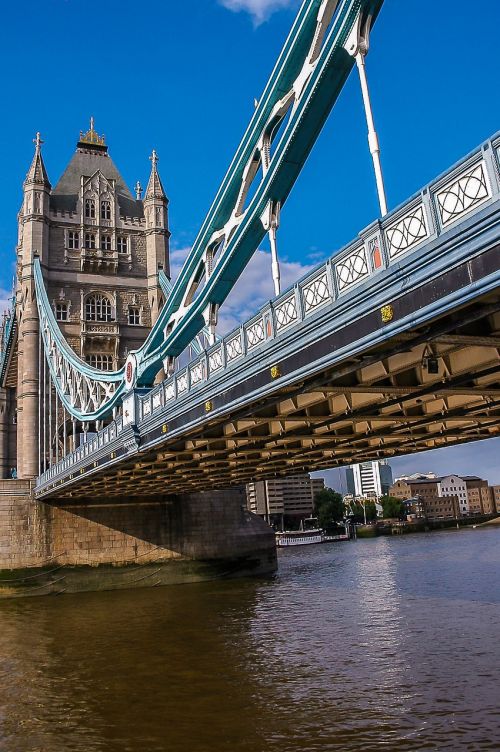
212	526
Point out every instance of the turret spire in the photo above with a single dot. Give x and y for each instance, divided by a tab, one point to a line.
155	187
37	172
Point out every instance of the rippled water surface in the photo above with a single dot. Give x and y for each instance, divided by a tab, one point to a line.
391	643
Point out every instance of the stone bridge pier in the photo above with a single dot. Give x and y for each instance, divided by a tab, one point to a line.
119	543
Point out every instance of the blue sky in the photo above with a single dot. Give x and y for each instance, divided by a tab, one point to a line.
182	77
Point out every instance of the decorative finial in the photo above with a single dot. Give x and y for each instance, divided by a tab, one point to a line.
37	172
38	141
155	188
138	190
91	137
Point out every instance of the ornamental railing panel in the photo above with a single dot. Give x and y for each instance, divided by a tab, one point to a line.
316	293
352	269
286	312
467	191
234	348
407	232
255	333
215	360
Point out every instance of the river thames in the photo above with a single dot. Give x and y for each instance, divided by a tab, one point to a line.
390	643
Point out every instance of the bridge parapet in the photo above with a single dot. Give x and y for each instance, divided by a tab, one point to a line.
421	239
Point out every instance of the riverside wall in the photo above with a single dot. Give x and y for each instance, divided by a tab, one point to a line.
94	544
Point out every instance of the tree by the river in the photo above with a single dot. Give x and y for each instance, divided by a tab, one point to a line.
392	507
359	511
329	507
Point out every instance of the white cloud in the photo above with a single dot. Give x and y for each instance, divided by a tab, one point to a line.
177	258
260	10
253	288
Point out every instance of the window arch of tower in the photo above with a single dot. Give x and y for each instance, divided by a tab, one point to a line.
89	207
106	207
98	207
98	307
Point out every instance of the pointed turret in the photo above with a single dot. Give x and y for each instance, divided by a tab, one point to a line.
157	235
35	210
155	187
34	242
37	174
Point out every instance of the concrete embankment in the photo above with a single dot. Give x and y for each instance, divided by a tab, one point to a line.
420	526
494	521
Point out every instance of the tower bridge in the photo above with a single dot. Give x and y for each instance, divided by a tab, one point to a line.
392	346
135	424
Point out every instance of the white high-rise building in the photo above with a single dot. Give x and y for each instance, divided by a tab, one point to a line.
369	479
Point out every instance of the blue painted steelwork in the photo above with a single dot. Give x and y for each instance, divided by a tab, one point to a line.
418	243
197	345
83	390
304	86
7	338
181	318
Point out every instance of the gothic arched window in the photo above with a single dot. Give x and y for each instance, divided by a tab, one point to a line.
89	240
98	308
90	208
105	209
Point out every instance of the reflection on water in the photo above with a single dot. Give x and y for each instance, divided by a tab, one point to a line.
384	643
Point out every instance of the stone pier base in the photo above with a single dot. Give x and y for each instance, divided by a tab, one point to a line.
100	544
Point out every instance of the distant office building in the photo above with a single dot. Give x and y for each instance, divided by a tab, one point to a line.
286	500
369	479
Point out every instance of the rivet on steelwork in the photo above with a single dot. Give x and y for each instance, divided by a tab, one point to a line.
387	313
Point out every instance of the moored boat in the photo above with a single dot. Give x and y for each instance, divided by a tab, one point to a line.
300	537
308	534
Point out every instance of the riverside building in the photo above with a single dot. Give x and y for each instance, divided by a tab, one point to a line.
448	496
480	495
496	497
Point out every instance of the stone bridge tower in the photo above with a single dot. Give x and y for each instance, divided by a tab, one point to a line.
100	249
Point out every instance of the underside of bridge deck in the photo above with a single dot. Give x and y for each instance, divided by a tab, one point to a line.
431	387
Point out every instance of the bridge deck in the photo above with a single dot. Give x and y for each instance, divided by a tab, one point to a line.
391	347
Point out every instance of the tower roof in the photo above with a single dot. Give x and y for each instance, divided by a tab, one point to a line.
155	188
91	156
37	172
